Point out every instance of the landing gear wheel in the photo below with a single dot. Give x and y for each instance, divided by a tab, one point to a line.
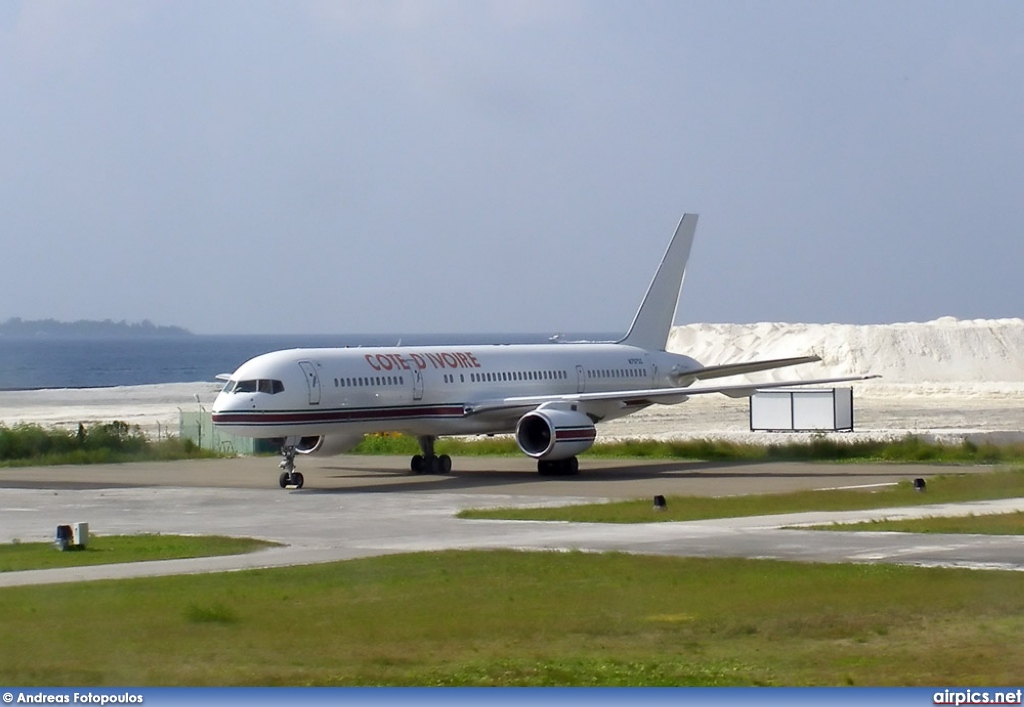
428	462
558	467
291	480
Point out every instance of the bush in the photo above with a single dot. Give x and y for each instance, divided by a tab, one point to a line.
102	443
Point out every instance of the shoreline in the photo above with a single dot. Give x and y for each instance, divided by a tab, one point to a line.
153	408
940	411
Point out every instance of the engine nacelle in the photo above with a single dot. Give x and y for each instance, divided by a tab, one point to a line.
555	433
327	446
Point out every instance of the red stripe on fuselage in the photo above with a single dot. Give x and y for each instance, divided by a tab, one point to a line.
277	419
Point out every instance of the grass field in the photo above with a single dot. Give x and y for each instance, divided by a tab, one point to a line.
118	442
512	618
515	618
947	488
102	550
996	524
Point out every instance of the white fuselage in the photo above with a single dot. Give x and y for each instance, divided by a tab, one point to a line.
430	390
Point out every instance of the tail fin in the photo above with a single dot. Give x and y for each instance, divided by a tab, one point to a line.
651	325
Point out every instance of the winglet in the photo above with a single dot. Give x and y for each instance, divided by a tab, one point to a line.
653	321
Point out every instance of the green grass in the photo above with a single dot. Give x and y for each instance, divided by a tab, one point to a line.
102	550
947	488
513	618
106	443
821	448
989	524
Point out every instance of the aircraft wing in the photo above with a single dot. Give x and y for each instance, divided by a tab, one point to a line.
643	398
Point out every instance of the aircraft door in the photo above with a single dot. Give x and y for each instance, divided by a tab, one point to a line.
652	367
581	380
417	384
312	381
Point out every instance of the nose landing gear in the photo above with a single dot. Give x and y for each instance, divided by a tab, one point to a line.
289	479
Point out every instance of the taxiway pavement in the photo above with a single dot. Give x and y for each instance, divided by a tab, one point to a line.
363	506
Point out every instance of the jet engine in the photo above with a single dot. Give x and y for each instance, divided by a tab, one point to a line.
555	433
327	446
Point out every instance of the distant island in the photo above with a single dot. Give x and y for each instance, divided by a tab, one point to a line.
86	329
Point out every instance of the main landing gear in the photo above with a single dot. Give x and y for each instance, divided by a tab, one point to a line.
558	467
428	462
289	477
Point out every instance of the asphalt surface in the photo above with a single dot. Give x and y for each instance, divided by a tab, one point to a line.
363	506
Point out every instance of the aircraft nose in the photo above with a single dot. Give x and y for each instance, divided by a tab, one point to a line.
223	403
218	403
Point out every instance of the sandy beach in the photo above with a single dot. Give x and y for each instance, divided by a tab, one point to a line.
154	408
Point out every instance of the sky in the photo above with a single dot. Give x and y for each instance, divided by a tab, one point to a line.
420	166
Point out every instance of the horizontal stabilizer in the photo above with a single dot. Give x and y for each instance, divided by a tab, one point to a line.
736	369
745	391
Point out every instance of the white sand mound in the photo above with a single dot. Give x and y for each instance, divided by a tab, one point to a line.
946	350
947	379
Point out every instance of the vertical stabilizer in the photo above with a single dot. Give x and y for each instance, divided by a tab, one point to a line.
651	325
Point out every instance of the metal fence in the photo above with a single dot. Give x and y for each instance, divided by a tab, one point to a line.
198	427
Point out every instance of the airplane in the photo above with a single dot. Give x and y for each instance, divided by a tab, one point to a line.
549	396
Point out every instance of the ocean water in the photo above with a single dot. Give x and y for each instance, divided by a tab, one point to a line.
47	362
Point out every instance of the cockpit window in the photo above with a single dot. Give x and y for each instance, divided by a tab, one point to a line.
269	386
262	385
